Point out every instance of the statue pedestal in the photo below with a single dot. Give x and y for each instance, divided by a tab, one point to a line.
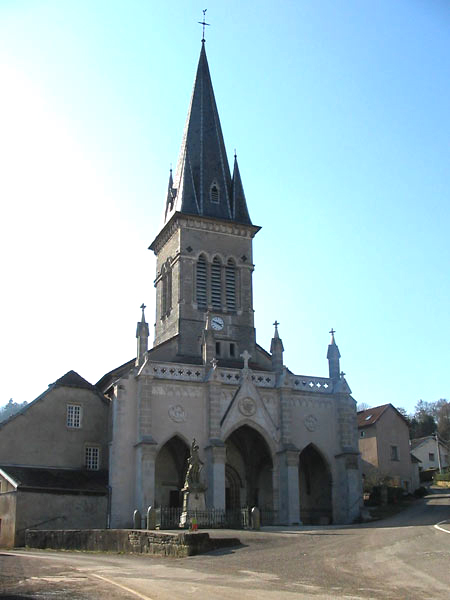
194	507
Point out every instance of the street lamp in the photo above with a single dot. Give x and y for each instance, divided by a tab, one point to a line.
436	437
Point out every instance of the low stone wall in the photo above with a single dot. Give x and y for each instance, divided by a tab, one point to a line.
138	541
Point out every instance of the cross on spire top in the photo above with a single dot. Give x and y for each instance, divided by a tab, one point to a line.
203	23
142	307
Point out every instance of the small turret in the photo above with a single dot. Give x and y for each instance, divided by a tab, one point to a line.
333	356
277	349
142	333
208	343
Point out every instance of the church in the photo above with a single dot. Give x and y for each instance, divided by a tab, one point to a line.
269	438
266	436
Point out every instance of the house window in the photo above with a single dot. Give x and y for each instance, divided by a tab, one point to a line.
92	458
431	456
217	348
232	350
362	434
73	416
230	285
394	453
201	282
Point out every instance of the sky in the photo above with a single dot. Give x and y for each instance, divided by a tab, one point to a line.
339	113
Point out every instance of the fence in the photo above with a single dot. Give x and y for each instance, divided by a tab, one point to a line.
169	518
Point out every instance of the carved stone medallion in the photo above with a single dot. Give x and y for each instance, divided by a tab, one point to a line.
177	413
311	423
247	407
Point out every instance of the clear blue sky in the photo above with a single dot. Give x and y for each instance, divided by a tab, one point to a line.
339	111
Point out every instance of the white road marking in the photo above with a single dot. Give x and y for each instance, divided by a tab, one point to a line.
441	528
123	587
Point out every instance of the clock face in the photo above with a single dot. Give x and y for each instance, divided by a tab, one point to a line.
217	323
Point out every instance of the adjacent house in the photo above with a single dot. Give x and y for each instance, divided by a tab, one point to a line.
384	446
54	460
432	452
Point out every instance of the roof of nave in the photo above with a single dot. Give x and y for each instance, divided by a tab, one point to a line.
72	379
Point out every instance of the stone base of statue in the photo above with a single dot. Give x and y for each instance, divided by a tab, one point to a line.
194	507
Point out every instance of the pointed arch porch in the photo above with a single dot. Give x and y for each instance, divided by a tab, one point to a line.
315	487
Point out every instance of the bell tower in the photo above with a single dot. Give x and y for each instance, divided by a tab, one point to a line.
204	249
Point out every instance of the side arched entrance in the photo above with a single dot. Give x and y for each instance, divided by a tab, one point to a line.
314	479
248	470
170	472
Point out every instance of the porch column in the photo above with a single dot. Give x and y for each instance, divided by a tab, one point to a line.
289	500
145	475
216	456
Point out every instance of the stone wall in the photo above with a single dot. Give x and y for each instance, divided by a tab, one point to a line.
177	545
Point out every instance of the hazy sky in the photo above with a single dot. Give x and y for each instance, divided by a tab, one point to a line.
339	112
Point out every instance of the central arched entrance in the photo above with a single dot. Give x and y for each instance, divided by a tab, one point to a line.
170	472
314	480
248	470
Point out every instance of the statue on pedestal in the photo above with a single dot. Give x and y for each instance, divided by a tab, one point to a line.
193	489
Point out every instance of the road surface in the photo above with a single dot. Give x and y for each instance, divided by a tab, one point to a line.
404	557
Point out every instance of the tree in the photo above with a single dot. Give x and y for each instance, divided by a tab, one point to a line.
10	409
442	416
362	406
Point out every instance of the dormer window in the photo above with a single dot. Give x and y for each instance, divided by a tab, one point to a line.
214	193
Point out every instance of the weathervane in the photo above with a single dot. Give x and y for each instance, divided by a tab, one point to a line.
203	23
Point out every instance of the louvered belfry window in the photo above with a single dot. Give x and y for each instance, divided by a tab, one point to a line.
214	192
201	282
166	292
216	283
230	285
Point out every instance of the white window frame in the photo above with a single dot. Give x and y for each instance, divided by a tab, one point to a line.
74	414
92	458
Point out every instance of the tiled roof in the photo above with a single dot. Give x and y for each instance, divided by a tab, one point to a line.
64	480
371	415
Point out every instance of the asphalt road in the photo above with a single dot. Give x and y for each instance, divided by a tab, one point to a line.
404	557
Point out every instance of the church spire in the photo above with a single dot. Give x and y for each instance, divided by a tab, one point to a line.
333	356
202	184
240	211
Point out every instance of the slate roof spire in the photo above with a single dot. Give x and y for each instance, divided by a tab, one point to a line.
203	184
